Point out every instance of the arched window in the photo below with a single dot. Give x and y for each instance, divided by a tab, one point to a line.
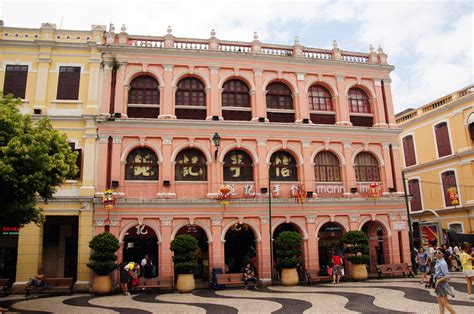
191	99
238	166
358	101
279	103
359	108
320	99
236	101
327	168
143	98
283	167
366	168
442	139
190	166
142	164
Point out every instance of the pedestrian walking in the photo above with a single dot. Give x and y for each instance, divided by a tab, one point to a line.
337	268
442	287
422	261
466	263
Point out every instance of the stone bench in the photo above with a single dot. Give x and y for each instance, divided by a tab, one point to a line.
399	269
52	285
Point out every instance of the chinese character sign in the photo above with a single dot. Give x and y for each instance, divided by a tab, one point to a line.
191	166
283	167
238	166
249	190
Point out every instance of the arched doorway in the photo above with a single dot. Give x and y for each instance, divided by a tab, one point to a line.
202	270
240	248
329	243
279	229
139	241
378	243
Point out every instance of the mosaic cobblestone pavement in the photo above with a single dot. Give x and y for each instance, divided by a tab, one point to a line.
401	295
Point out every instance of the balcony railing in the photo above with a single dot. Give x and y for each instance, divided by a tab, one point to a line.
439	103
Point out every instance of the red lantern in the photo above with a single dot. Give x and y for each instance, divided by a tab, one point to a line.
299	193
374	190
108	199
224	194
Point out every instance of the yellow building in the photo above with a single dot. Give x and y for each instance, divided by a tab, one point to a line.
57	74
437	153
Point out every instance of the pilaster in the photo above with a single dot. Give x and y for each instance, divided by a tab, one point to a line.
83	250
30	253
341	103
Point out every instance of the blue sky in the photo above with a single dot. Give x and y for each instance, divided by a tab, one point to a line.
429	42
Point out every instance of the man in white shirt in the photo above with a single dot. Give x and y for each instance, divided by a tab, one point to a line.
144	260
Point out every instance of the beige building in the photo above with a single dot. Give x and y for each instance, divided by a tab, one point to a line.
56	73
437	153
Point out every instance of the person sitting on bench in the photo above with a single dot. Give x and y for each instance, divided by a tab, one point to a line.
36	281
249	275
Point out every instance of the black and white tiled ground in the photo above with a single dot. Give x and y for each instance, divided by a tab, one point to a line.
373	296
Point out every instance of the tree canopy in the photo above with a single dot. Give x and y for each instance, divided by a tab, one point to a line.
34	160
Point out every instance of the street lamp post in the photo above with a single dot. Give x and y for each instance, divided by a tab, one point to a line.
216	139
412	251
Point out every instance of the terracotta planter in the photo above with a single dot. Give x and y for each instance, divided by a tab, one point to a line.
289	277
185	283
359	272
101	285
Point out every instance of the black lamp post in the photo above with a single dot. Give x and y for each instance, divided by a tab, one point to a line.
216	139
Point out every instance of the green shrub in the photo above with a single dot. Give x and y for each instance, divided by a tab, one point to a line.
103	256
184	248
288	249
357	245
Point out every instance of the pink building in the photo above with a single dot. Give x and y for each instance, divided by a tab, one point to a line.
290	119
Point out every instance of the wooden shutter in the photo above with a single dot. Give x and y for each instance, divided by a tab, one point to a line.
442	139
68	83
449	180
15	80
409	151
414	190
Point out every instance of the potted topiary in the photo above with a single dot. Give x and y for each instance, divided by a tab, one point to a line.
185	261
103	259
357	247
288	256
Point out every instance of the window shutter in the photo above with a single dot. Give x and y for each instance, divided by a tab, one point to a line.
414	190
442	139
68	83
409	151
15	80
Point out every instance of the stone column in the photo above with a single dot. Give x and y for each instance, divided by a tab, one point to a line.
349	169
215	107
217	253
312	260
166	107
388	169
261	168
42	79
92	105
87	188
379	110
265	271
83	250
260	103
166	266
120	101
389	101
106	89
308	169
342	104
303	107
102	162
30	255
116	174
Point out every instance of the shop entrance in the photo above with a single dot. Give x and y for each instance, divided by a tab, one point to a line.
240	248
378	243
287	227
139	241
8	251
329	243
202	270
60	246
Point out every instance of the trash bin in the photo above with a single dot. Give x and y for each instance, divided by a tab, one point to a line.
215	272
